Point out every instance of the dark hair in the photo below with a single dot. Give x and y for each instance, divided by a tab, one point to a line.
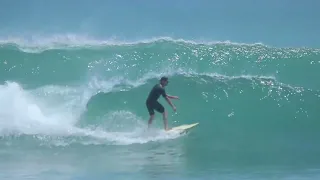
164	78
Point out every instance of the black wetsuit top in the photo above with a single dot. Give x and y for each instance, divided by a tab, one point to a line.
155	93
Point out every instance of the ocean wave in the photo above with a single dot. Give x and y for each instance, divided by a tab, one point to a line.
51	118
96	96
55	115
38	44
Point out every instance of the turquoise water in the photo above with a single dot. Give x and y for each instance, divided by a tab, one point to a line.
74	79
79	112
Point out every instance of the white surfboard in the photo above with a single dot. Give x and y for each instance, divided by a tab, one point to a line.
183	128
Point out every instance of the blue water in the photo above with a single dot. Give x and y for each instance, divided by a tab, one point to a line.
74	76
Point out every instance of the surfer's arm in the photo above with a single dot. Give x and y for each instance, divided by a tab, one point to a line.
169	102
164	94
172	97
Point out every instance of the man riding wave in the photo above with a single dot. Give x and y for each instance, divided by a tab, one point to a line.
153	104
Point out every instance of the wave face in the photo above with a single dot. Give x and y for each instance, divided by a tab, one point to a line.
257	105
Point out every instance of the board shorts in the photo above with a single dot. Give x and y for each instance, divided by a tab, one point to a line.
151	106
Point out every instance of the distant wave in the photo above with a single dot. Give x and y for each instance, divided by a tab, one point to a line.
37	44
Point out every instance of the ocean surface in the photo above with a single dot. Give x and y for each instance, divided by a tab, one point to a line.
73	106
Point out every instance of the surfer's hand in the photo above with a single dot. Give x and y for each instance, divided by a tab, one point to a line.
174	108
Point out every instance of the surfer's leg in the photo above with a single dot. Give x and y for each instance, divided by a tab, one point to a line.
150	120
165	120
160	109
151	113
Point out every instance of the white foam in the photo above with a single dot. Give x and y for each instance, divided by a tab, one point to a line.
51	113
22	113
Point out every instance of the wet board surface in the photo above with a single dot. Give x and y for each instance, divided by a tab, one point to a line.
183	128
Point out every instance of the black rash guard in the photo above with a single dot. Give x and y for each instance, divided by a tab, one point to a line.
155	93
152	100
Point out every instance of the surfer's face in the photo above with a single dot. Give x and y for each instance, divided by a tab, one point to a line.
164	83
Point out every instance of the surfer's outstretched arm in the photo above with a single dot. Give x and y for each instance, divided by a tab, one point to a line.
169	102
172	97
167	97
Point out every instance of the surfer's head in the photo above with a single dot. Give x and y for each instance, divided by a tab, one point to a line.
164	81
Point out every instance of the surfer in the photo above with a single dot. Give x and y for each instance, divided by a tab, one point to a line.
153	104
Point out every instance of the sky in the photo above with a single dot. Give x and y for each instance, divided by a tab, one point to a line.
272	22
